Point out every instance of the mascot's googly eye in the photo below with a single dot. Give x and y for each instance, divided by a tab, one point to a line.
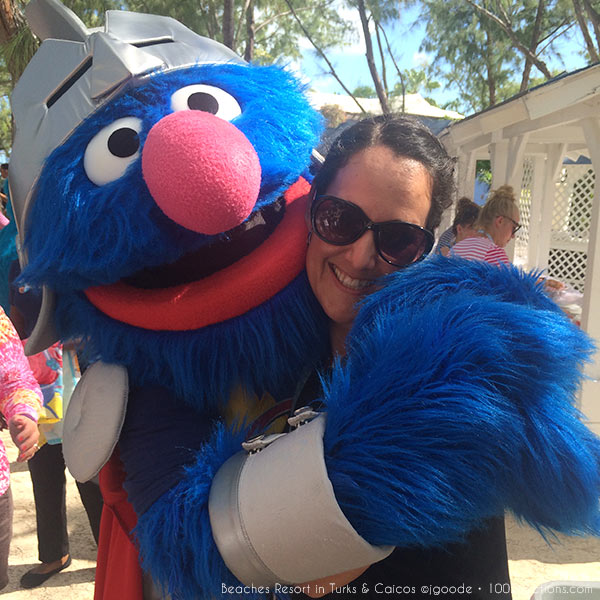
112	150
208	99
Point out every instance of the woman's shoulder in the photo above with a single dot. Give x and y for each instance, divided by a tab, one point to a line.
497	255
477	245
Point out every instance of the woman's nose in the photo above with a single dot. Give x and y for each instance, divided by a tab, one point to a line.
362	253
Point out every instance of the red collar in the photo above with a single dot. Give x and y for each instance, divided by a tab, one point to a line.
229	293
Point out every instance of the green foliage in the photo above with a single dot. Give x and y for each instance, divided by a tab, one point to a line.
277	34
334	115
483	171
416	81
91	12
383	11
5	127
364	91
16	53
477	58
472	56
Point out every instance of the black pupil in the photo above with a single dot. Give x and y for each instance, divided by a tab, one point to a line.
124	142
203	101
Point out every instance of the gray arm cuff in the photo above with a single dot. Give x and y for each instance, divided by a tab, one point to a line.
274	515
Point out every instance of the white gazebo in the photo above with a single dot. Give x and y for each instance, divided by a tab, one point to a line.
414	104
546	144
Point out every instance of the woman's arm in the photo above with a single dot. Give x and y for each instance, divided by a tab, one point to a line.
20	394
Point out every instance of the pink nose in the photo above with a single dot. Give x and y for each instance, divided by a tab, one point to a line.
201	171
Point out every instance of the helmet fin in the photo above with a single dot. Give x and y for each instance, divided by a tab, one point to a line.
51	19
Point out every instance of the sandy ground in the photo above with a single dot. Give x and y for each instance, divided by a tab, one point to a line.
532	561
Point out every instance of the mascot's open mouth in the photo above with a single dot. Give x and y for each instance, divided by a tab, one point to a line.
220	281
218	255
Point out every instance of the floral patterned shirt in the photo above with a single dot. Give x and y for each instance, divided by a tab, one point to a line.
19	391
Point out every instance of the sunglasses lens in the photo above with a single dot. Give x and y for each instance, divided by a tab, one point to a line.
338	222
402	244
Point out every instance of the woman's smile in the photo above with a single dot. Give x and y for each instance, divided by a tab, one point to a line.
350	283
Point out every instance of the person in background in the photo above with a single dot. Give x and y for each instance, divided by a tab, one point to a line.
4	184
497	224
8	248
55	370
20	403
448	238
463	226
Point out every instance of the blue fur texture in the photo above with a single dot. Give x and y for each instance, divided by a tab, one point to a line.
262	350
456	403
174	536
101	234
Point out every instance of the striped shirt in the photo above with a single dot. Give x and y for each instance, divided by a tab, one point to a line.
446	240
480	248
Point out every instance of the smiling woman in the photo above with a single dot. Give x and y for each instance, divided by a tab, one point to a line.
379	194
388	190
376	201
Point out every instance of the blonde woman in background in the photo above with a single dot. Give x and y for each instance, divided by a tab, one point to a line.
497	224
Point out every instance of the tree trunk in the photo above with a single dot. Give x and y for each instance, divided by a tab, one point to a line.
398	70
382	55
491	79
584	30
371	59
19	44
228	23
535	38
10	20
540	64
595	19
249	51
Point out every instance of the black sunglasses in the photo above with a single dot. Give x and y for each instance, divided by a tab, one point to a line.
516	225
340	223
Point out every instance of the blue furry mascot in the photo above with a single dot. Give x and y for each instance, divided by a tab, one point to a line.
157	182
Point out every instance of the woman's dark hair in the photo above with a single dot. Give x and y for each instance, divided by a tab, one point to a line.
405	136
466	213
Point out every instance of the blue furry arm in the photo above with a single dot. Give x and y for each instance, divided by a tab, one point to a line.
456	403
171	453
175	537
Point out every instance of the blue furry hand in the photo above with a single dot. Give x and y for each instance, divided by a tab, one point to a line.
457	403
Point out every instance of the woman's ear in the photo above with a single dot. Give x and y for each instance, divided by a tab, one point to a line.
497	222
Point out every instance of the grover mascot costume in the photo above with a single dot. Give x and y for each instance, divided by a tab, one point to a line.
157	184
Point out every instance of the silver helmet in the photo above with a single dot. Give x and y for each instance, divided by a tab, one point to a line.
75	72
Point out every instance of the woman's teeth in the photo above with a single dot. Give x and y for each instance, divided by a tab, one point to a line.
349	282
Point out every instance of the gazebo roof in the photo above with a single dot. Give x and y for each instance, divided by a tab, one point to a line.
547	114
415	104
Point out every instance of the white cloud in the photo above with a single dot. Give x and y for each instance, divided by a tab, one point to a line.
421	59
295	67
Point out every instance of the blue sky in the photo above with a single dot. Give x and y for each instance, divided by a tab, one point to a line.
351	64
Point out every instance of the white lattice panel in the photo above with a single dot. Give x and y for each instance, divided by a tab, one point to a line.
522	237
568	266
571	225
